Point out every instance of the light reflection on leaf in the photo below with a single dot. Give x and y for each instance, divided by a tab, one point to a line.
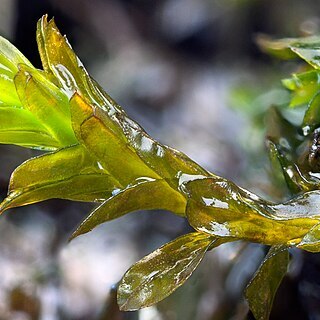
161	272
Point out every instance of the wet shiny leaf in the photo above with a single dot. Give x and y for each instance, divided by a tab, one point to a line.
295	179
220	208
110	149
311	241
161	272
65	69
146	194
283	140
170	164
67	174
262	288
58	57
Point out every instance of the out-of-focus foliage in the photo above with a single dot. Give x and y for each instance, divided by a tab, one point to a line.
265	282
96	153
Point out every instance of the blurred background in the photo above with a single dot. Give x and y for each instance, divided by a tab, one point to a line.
190	73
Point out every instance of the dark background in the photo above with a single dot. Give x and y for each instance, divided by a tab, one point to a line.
174	66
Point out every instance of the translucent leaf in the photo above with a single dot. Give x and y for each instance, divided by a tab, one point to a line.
276	47
40	35
284	140
112	151
11	57
220	208
307	48
49	38
8	94
281	132
82	111
18	126
304	87
311	118
172	165
145	195
67	69
262	288
160	273
308	52
69	173
163	160
295	179
47	103
58	57
311	241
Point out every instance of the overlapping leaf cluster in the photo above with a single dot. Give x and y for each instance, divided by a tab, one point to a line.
94	152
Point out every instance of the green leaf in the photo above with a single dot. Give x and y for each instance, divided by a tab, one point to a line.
304	87
18	126
62	63
220	208
280	48
64	68
308	48
262	288
165	161
11	57
284	140
311	241
112	151
69	173
311	118
40	36
172	165
47	103
160	273
295	179
282	132
147	194
308	52
8	94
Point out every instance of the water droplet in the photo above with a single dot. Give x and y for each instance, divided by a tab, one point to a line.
306	130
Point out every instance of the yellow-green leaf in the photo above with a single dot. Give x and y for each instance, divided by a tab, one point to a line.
220	208
288	48
146	194
312	115
262	288
311	241
69	173
304	87
295	179
161	272
11	57
18	126
47	103
110	149
170	164
8	93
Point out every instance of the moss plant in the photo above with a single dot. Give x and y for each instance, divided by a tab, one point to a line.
92	151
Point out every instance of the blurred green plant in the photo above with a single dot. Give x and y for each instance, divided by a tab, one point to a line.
94	152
